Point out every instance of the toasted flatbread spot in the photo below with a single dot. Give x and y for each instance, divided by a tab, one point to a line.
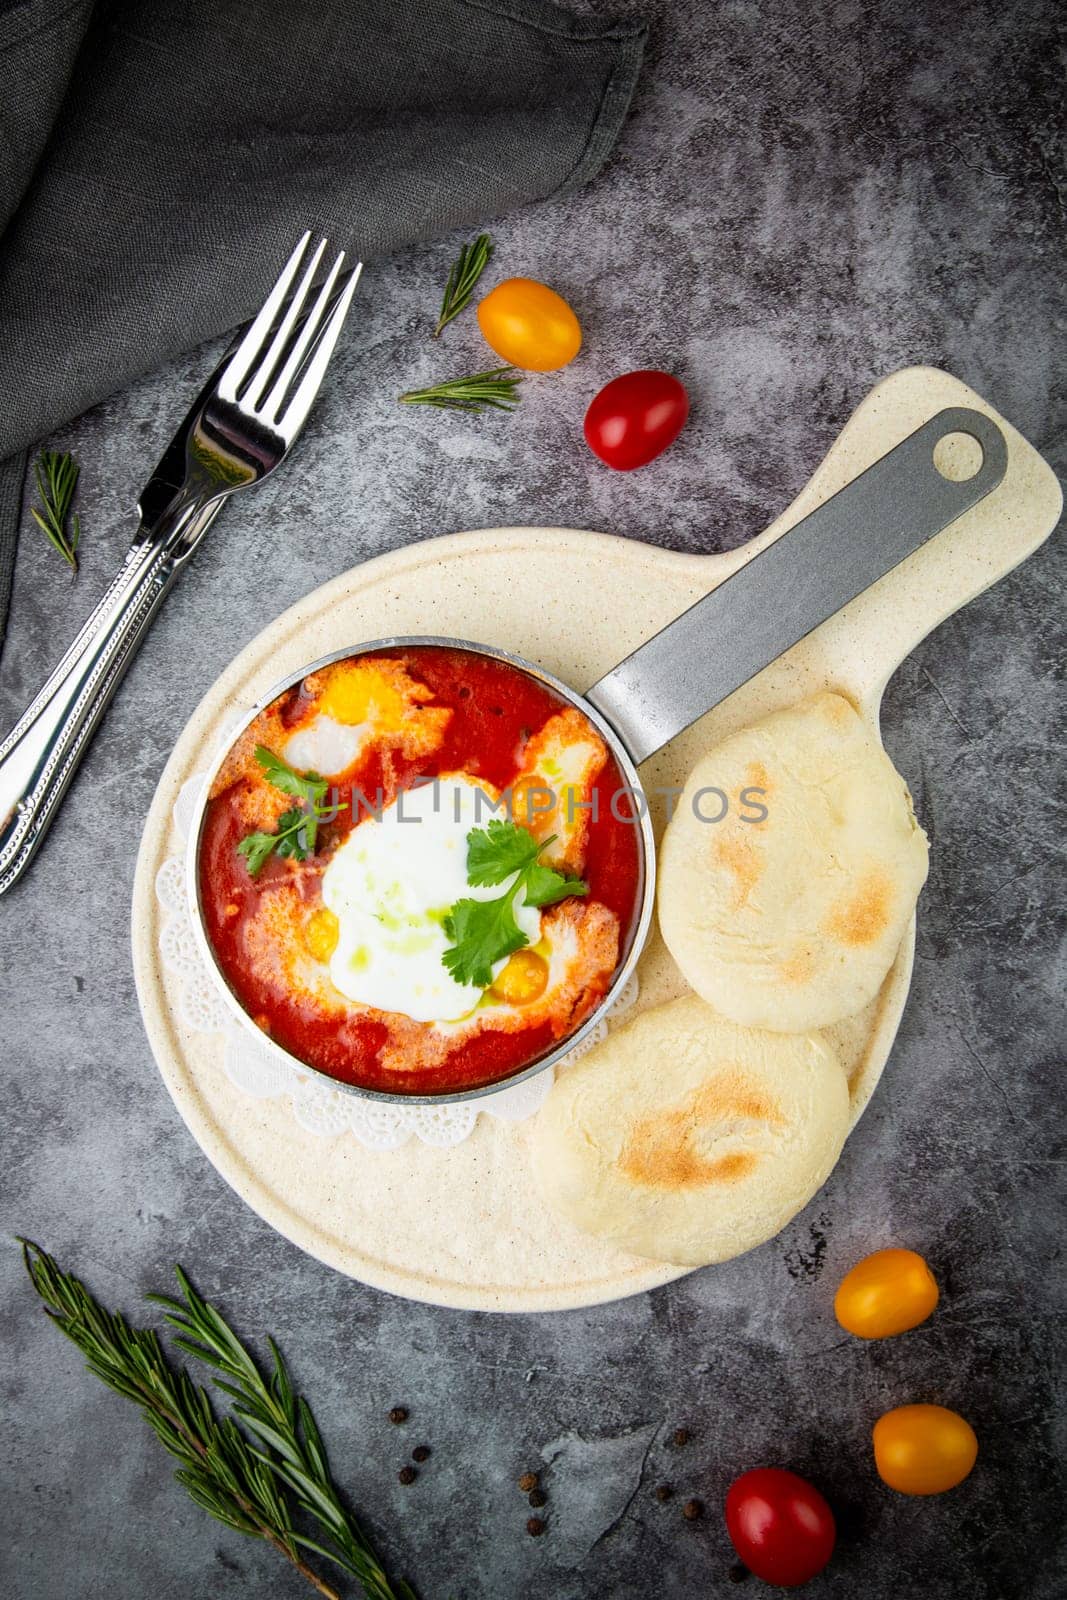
757	777
798	968
667	1165
665	1150
863	917
741	858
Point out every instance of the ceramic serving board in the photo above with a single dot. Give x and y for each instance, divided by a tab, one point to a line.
464	1226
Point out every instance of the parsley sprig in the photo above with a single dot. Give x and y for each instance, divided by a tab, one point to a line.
298	829
485	931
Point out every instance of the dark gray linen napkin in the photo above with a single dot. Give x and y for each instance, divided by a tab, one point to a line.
157	162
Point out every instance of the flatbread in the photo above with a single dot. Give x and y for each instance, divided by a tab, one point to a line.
686	1138
792	920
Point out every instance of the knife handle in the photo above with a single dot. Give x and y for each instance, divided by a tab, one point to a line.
40	755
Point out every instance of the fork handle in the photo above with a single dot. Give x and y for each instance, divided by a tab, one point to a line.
40	755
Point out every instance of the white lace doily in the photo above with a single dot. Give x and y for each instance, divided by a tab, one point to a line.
316	1106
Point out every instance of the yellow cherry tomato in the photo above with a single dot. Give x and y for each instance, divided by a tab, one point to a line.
923	1449
885	1293
529	325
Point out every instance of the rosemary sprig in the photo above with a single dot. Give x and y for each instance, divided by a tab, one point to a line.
496	388
252	1481
57	478
284	1427
466	270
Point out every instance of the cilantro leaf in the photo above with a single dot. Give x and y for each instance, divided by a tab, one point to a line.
295	837
298	786
544	887
483	932
298	828
495	852
256	847
297	832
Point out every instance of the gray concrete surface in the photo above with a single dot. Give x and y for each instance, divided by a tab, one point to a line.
805	198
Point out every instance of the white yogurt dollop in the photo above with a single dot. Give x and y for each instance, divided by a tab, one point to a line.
390	885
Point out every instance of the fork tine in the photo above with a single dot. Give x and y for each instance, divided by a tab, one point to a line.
240	363
321	350
272	404
270	361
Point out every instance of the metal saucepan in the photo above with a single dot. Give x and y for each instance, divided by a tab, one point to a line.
692	664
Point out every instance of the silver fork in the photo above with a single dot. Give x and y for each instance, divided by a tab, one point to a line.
241	427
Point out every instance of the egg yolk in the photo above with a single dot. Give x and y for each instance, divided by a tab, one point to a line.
523	980
358	693
321	934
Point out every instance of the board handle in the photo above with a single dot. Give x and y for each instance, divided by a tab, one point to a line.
792	585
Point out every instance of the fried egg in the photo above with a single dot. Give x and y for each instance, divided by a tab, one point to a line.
391	884
551	792
577	953
356	703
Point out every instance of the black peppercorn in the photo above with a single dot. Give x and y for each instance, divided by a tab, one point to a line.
738	1573
537	1498
407	1475
398	1414
681	1436
663	1492
528	1481
692	1510
535	1527
421	1452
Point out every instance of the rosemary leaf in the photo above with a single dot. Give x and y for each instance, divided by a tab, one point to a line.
466	270
496	388
57	479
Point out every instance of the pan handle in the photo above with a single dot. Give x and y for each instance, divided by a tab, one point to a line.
806	575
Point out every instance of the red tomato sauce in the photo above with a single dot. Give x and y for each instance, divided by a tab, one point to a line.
496	708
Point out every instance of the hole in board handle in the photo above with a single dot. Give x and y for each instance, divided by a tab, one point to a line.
958	457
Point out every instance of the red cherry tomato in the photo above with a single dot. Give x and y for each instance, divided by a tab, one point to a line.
634	418
780	1526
